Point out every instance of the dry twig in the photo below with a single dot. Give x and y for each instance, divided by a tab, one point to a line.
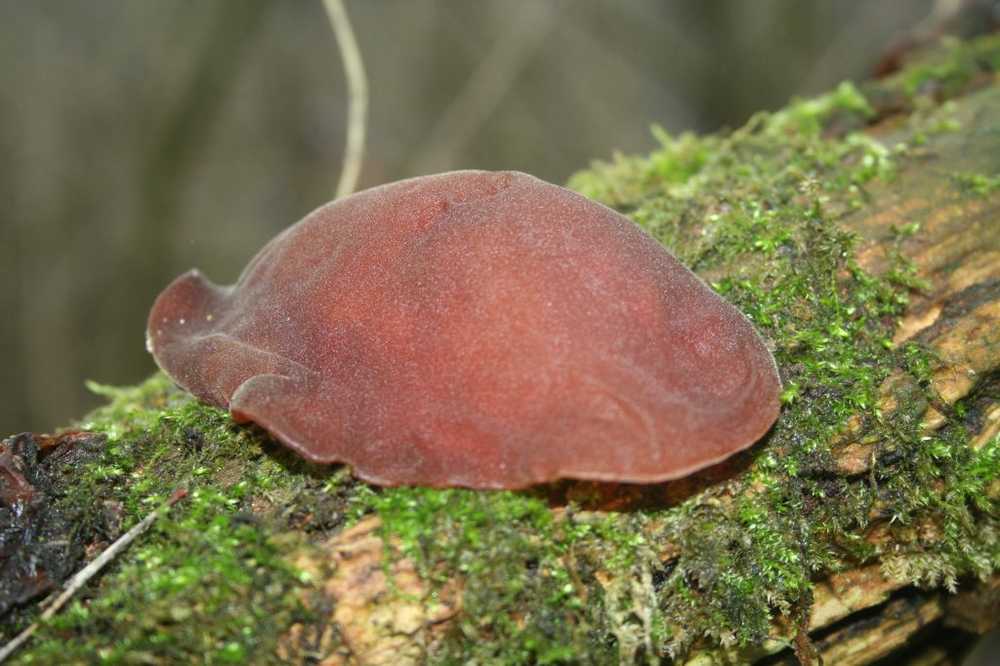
357	87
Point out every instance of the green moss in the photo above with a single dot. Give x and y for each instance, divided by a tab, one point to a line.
201	584
509	549
754	212
949	72
198	589
812	116
977	183
678	159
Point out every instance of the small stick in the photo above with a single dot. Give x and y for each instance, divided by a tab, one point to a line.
357	87
89	571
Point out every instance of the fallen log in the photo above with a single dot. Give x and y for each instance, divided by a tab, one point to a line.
861	233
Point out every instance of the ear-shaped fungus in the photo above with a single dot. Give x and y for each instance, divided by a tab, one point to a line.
474	329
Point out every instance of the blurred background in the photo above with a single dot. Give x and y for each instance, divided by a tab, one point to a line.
140	139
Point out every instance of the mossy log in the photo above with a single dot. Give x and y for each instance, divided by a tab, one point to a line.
861	233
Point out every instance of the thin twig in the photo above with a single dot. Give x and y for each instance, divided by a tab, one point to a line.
357	87
89	571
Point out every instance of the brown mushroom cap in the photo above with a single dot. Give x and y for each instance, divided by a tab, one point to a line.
474	329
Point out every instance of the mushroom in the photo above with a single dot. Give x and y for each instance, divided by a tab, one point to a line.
478	329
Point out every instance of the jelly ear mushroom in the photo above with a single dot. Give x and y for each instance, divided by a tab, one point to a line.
477	329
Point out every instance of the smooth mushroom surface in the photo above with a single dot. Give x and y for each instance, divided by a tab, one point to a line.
478	329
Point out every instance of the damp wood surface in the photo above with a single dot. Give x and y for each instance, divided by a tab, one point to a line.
860	231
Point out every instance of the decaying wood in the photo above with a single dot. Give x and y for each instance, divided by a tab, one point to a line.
956	251
378	609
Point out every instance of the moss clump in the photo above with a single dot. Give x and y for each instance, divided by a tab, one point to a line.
203	583
977	183
703	561
200	588
951	71
509	548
